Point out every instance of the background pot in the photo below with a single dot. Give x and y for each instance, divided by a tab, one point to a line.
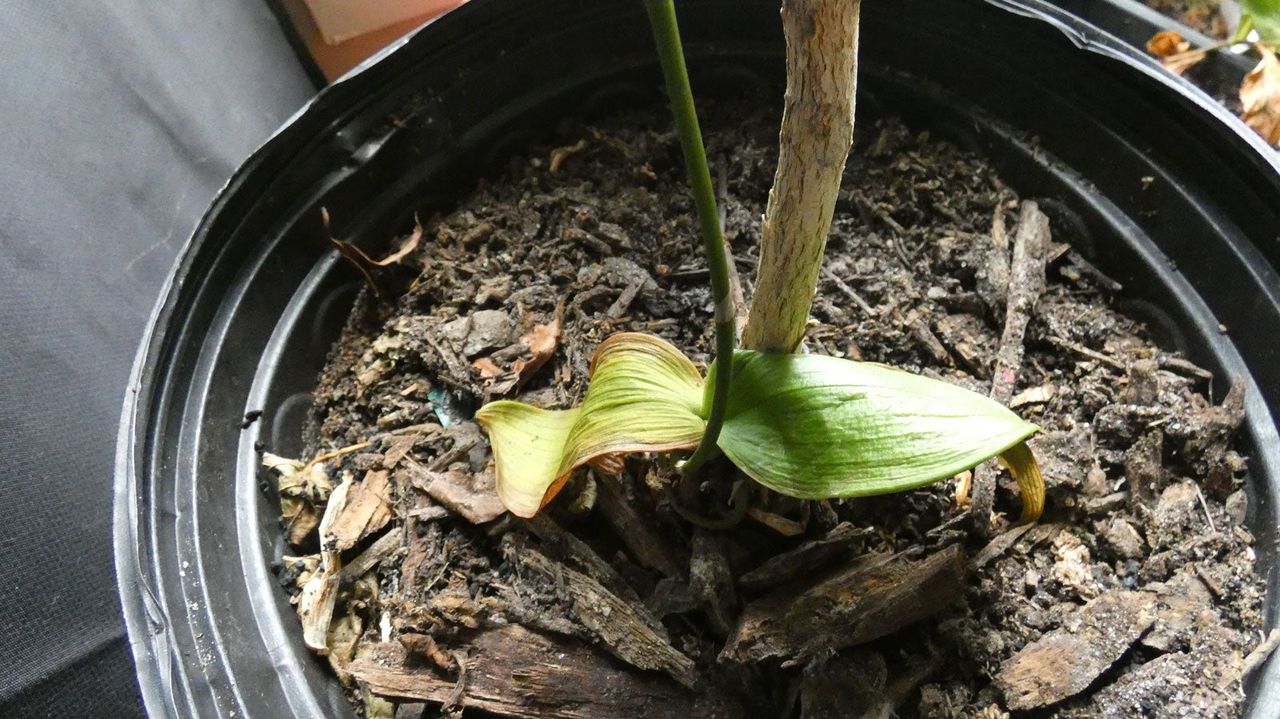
1135	23
1148	177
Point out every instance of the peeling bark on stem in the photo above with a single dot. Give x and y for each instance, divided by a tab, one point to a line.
814	142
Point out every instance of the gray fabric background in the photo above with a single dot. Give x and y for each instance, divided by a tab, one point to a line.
119	121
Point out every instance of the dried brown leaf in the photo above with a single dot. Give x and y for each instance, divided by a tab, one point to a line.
560	154
1260	96
409	245
303	489
487	368
1166	43
364	263
541	342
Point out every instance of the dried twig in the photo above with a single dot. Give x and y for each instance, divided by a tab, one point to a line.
1026	284
1091	354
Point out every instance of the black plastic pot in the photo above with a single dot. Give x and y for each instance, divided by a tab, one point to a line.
1155	182
1135	23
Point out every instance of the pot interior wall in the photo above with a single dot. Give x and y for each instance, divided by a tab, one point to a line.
258	297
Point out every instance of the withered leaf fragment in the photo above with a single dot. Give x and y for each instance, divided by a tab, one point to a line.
364	263
1166	43
304	489
1260	96
541	341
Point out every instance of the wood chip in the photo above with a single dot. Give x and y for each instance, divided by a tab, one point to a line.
566	547
930	342
364	508
386	545
868	599
644	539
424	645
850	684
617	624
711	580
1000	545
802	561
1034	395
1144	468
623	303
469	495
1065	662
513	672
785	526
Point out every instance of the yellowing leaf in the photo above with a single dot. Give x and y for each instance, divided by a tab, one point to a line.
1260	96
806	426
816	427
1025	469
644	396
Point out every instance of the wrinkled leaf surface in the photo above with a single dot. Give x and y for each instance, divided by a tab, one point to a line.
644	396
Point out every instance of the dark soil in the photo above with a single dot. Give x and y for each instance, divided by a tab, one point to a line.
1135	594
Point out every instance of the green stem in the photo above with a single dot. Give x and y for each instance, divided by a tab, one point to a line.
666	32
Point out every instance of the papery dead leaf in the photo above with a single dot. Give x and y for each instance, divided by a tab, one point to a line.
1166	43
541	342
315	609
1179	63
560	154
1260	96
409	245
364	263
304	489
486	367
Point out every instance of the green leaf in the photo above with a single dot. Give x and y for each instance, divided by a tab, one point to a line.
644	396
818	427
1266	18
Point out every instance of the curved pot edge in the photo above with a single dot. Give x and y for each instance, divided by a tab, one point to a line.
145	622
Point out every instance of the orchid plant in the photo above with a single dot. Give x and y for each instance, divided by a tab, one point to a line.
803	425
